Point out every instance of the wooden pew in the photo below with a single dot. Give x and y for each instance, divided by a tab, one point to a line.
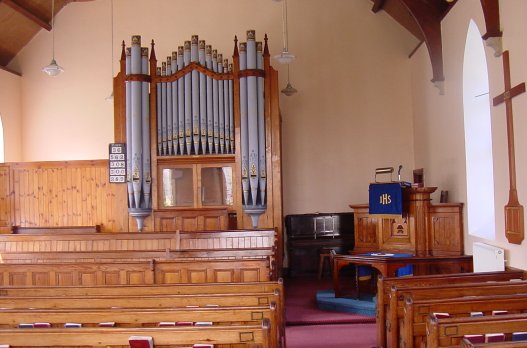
160	289
146	317
416	313
254	335
203	302
398	297
163	289
135	272
140	301
384	285
123	255
449	332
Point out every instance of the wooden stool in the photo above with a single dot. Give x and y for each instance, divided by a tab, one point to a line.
324	254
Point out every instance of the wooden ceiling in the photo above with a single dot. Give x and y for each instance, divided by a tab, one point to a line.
20	20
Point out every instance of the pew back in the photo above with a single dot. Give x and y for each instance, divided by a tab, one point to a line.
448	332
254	334
416	313
398	296
384	285
135	272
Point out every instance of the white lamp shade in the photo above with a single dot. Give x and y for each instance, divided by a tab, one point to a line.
53	69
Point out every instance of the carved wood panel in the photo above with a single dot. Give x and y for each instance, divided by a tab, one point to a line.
191	220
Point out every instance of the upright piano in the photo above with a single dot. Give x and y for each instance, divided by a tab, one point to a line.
307	234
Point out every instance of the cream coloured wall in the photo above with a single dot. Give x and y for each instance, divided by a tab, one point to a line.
353	112
11	113
438	119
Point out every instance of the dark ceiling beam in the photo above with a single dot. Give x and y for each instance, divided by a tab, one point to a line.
27	13
10	71
377	5
491	12
428	19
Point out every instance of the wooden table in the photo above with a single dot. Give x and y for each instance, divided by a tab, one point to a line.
387	265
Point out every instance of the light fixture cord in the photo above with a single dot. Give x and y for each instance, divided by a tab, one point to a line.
284	26
111	11
53	28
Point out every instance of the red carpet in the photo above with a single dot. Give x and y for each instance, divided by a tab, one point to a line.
331	336
309	327
301	306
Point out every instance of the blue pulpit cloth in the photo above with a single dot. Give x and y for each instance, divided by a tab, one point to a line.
386	200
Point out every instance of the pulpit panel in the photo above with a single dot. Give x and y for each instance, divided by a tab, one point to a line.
366	230
447	229
395	235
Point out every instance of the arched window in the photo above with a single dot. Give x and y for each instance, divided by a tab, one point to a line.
478	137
2	149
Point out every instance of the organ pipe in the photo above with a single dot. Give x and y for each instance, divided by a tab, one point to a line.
181	102
195	95
252	118
210	113
138	132
261	123
175	125
128	111
244	131
202	98
188	99
145	121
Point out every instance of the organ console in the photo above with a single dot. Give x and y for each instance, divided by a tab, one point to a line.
201	132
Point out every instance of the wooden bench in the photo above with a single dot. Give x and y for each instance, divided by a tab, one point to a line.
163	289
145	317
416	313
449	332
254	335
385	284
398	297
135	272
140	301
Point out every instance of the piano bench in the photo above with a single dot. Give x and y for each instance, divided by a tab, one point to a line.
324	254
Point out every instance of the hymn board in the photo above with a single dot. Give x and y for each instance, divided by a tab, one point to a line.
202	136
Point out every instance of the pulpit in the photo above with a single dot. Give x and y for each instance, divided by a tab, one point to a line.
423	228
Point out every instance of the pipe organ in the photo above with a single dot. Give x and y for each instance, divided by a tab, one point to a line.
202	135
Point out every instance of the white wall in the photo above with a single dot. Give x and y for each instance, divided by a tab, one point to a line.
353	112
11	113
438	120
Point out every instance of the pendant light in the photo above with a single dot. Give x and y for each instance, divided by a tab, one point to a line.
285	57
53	69
110	97
289	90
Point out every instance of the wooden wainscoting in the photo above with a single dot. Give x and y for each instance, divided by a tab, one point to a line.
73	193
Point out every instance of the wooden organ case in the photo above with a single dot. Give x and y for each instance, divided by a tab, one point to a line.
213	138
425	229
